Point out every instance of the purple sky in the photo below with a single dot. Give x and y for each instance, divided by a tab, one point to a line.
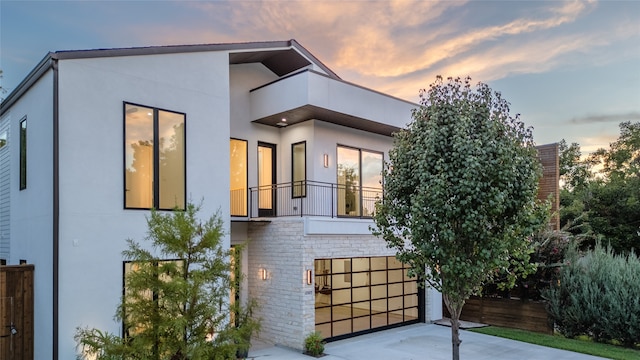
572	69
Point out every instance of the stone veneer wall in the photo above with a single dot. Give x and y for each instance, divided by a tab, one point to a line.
287	303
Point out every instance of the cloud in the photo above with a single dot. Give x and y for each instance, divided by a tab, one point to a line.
606	118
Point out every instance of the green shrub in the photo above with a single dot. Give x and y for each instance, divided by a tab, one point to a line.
314	344
598	294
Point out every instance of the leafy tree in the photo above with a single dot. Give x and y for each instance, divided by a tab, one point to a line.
176	300
574	172
460	193
603	200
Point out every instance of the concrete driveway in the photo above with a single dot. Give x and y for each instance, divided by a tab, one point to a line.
420	342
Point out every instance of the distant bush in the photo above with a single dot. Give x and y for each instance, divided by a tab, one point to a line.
597	294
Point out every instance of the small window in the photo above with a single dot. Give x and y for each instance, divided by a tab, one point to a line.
23	154
3	139
155	169
299	169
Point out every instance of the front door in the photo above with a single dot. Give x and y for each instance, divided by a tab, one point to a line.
266	179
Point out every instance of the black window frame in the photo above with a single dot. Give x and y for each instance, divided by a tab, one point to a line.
156	158
300	185
154	263
246	180
360	186
23	153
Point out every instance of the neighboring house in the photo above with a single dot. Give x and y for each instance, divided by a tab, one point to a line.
265	133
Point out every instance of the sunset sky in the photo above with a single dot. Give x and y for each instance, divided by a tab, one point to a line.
572	69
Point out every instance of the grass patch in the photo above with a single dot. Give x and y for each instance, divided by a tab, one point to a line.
560	342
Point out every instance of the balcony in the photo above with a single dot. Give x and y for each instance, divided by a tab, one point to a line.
308	198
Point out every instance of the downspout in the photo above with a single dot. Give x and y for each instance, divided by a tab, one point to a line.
56	209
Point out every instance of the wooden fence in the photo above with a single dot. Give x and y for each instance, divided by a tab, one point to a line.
16	312
512	313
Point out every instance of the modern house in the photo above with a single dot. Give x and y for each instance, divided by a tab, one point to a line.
264	132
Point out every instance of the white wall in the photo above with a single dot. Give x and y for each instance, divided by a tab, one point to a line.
93	222
32	208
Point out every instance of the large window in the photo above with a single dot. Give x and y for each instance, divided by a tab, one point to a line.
359	181
238	177
142	301
23	154
355	295
299	169
155	169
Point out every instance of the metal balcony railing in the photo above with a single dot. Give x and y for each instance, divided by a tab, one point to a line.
312	198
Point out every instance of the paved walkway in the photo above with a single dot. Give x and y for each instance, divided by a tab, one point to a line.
420	342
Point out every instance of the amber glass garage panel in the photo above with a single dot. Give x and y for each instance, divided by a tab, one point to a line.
360	264
138	157
410	314
410	287
172	160
378	306
324	330
394	263
396	317
340	266
379	292
379	263
341	327
411	300
395	276
395	290
395	303
361	308
360	279
341	281
362	323
378	277
341	312
379	320
361	294
340	296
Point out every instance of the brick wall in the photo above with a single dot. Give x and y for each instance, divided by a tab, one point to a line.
287	303
550	181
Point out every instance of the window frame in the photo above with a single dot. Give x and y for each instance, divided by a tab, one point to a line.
360	179
302	188
246	180
155	188
23	153
154	263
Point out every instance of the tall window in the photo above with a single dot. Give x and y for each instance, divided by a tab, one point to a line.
238	177
299	168
137	276
359	181
23	154
154	158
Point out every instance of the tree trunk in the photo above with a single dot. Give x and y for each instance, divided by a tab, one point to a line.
455	308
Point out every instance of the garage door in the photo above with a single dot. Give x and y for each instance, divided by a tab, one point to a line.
360	295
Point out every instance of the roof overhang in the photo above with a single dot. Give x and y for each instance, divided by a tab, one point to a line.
309	95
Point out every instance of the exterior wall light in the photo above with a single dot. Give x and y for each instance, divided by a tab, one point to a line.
263	274
326	160
309	277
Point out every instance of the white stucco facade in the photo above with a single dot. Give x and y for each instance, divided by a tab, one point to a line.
71	222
